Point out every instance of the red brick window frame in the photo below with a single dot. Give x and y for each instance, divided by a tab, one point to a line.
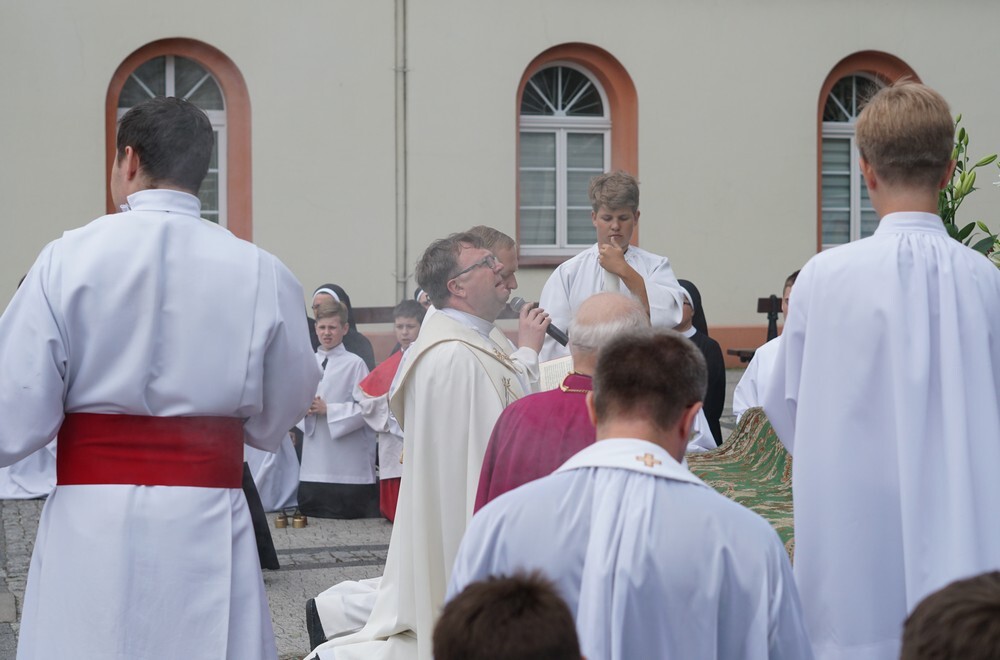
622	110
237	103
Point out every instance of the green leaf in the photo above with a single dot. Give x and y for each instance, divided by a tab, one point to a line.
952	231
966	230
983	246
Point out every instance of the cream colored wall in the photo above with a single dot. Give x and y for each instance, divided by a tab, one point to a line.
727	91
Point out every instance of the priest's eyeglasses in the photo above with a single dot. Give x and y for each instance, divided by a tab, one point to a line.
489	261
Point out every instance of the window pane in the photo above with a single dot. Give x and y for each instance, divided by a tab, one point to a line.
836	155
580	97
538	188
585	150
538	150
577	185
580	227
194	83
836	227
837	190
538	226
151	76
561	91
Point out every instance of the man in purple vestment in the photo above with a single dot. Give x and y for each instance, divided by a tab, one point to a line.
536	434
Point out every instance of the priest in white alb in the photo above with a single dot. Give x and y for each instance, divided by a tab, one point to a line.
653	562
885	391
612	264
452	386
155	343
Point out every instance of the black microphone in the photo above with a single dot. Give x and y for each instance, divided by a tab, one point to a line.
517	302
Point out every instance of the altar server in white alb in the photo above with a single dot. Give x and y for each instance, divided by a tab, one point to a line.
653	562
337	477
885	391
453	386
612	264
160	343
749	392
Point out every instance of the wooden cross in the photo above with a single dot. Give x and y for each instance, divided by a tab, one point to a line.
649	460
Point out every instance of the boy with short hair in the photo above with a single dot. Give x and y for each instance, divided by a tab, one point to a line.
337	477
885	391
612	264
373	395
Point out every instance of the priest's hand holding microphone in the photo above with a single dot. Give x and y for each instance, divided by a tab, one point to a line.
533	324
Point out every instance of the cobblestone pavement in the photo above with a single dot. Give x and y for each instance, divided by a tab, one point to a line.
312	559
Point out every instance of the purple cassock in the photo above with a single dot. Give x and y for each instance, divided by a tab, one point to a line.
534	436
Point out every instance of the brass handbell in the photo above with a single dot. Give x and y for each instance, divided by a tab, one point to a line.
299	520
281	521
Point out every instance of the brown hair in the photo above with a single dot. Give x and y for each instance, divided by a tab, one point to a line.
907	134
332	309
439	261
652	375
409	309
962	620
614	190
507	618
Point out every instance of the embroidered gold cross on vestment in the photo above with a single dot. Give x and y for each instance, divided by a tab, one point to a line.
649	460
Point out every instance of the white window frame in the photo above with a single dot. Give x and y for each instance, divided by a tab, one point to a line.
216	117
561	127
845	130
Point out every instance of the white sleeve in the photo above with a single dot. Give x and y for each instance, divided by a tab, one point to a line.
34	358
702	439
290	370
745	396
343	417
779	397
555	301
665	294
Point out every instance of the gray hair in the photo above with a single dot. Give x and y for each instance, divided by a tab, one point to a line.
591	337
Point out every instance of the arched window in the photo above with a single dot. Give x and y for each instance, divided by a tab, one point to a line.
199	73
845	210
577	118
565	142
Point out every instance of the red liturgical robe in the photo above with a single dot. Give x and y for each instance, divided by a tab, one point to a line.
534	436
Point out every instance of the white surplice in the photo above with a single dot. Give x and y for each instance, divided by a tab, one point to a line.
652	562
276	475
579	278
749	392
452	385
32	476
338	447
885	391
151	312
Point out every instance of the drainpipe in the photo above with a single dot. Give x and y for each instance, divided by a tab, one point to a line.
400	67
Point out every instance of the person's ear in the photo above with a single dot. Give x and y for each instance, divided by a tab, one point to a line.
130	160
946	178
868	172
591	411
456	289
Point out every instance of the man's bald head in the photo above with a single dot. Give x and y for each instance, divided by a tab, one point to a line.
601	318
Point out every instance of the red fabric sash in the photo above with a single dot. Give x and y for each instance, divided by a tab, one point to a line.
378	381
206	452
